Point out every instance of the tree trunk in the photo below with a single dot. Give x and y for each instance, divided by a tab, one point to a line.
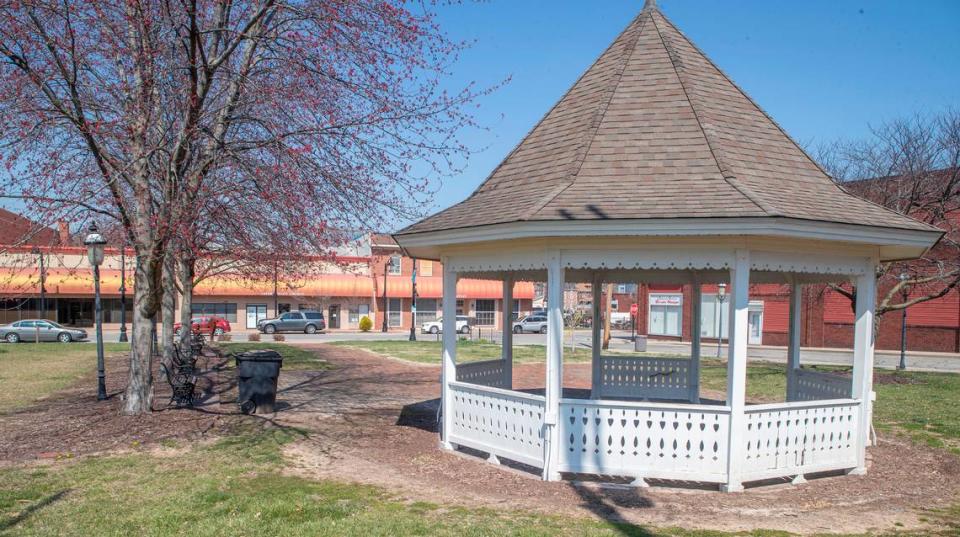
187	269
138	397
169	306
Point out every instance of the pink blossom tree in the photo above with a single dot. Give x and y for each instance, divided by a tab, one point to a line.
289	118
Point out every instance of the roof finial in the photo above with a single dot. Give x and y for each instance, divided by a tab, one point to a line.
650	4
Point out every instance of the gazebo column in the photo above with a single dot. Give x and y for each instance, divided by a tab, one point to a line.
866	288
554	376
695	321
449	363
737	368
596	371
506	350
793	340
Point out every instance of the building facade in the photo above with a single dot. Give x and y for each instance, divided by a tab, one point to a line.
345	290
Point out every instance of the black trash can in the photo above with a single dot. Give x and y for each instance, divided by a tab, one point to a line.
257	373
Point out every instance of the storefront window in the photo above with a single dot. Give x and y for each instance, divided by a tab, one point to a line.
486	312
357	311
426	310
225	310
394	312
666	312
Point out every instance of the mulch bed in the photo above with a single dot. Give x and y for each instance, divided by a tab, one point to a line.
72	422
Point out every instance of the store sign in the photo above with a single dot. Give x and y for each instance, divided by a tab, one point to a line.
666	300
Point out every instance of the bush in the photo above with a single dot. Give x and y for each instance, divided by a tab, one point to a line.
365	324
253	337
279	337
225	337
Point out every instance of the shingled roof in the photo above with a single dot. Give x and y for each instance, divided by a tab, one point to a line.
653	129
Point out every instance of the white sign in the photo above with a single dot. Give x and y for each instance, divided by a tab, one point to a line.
666	300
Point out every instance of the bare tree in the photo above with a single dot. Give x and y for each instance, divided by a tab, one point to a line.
308	115
911	166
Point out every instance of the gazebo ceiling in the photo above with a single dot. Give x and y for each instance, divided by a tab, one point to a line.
654	133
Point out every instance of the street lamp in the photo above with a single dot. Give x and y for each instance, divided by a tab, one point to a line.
123	294
386	308
721	296
903	321
95	243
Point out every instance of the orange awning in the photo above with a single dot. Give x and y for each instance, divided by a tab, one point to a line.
432	287
322	285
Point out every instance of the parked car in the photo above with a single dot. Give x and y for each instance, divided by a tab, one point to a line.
42	329
436	327
203	324
294	321
531	323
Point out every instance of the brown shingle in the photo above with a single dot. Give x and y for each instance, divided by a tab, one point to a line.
653	129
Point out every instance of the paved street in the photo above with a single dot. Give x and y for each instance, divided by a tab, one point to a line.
916	361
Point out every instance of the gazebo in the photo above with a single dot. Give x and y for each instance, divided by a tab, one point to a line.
656	167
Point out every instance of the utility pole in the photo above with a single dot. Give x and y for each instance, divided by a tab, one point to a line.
413	303
123	294
386	307
276	305
903	323
606	317
43	282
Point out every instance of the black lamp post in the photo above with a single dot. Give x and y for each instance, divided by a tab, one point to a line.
413	303
386	312
95	243
123	294
903	323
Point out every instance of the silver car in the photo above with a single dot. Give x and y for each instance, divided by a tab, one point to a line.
531	323
40	330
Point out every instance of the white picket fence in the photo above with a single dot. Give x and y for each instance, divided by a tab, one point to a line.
486	373
644	378
505	423
676	441
810	385
785	439
656	440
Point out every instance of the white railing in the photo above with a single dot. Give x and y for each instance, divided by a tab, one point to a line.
505	423
655	440
810	385
644	378
486	373
786	439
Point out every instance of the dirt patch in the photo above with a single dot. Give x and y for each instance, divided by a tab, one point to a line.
371	420
72	422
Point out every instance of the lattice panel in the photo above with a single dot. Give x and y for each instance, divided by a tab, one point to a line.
801	437
644	378
486	373
508	424
634	440
809	385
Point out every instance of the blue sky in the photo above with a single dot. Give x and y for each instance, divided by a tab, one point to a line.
823	69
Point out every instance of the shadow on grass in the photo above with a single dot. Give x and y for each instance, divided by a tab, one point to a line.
607	508
8	523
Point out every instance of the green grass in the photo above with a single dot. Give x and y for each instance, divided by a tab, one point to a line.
428	352
32	371
235	487
925	406
293	357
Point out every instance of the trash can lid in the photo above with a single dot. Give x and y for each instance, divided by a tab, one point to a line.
260	356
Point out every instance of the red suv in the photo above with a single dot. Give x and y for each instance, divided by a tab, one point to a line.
205	324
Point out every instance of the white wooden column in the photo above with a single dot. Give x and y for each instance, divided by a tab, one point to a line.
793	340
449	364
737	368
554	377
506	350
696	318
596	372
863	357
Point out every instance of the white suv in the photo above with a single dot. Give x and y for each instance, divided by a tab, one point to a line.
436	327
531	323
